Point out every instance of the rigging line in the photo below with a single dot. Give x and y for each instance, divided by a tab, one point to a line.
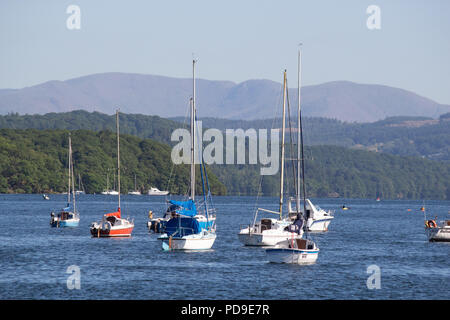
258	194
173	165
290	136
200	154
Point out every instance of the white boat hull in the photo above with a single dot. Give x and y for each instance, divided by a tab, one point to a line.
266	238
319	225
189	242
295	256
438	234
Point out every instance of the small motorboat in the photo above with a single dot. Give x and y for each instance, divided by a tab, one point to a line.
156	192
437	232
295	250
45	196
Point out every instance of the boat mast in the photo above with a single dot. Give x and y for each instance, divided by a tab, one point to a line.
68	189
71	174
118	154
302	154
298	131
193	132
282	146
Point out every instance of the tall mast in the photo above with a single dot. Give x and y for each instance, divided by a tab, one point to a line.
298	129
118	154
193	133
71	174
68	189
282	145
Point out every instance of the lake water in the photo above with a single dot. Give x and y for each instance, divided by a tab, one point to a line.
34	257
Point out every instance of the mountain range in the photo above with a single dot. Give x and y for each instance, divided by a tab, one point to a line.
249	100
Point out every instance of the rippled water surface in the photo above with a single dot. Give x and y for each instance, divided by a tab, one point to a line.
34	257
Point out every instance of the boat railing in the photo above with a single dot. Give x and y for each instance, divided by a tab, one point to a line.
182	231
251	229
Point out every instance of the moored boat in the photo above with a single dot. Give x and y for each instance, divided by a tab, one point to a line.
437	232
67	217
112	224
295	250
270	231
192	225
156	192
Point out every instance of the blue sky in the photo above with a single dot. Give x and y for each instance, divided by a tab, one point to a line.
233	40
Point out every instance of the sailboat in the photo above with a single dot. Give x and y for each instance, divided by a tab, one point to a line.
112	224
110	192
297	250
436	232
67	217
136	192
80	186
192	224
317	219
270	231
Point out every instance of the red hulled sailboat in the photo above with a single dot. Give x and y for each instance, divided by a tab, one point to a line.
112	224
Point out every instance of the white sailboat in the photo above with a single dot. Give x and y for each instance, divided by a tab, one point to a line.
270	231
297	250
108	191
189	228
136	192
317	219
436	232
67	217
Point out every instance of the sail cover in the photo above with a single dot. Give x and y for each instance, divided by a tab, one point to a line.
296	226
186	208
182	226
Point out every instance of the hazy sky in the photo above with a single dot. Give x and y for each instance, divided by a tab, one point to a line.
233	40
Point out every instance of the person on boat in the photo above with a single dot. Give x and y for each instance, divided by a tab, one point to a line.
150	214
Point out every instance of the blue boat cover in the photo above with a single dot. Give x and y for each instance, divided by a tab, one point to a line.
296	226
182	226
187	208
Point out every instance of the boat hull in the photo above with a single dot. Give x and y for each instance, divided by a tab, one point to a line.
294	256
190	242
263	239
111	233
438	234
69	223
320	225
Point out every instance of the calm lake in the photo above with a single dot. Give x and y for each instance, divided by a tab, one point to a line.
34	257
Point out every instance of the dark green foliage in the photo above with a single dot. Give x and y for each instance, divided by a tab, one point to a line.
35	161
350	174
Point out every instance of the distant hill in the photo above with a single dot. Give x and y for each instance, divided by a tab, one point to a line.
249	100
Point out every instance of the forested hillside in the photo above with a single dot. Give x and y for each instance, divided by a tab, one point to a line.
35	161
410	136
333	171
